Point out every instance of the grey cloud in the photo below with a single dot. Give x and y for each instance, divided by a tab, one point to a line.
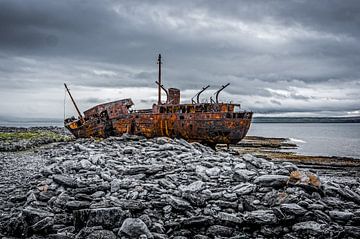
254	45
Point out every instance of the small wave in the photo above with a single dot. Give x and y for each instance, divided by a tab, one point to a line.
297	140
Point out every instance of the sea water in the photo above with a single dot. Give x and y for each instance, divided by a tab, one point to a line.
327	139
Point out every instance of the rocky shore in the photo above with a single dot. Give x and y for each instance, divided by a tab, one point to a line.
15	139
131	187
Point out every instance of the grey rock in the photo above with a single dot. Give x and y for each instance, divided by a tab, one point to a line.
43	226
272	180
229	219
258	162
143	169
197	221
340	215
213	172
352	231
261	217
244	188
129	150
146	219
108	218
85	164
134	227
76	205
193	187
167	184
65	181
178	203
243	175
102	234
321	217
158	227
159	235
309	227
115	185
33	215
219	230
98	194
106	177
292	209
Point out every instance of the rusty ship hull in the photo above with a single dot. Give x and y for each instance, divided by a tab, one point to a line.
206	127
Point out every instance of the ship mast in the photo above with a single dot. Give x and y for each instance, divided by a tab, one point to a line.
159	80
73	101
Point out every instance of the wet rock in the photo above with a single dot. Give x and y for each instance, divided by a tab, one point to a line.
85	164
243	175
65	181
179	204
16	226
129	150
292	209
143	169
193	187
213	172
340	215
102	234
33	215
76	205
244	188
258	162
108	218
134	227
197	221
309	227
352	231
219	230
272	180
115	185
229	219
43	226
261	217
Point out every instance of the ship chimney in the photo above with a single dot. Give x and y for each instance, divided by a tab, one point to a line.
174	96
159	80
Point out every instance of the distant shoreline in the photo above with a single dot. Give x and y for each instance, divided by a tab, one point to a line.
30	122
306	120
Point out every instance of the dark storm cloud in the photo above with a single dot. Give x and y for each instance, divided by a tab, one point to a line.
272	52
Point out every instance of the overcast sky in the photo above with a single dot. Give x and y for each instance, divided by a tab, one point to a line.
282	58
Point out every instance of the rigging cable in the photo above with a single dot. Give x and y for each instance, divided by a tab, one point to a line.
64	107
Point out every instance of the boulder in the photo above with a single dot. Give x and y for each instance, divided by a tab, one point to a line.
261	217
309	227
243	175
178	203
244	188
193	187
292	209
229	219
102	234
219	230
340	215
66	181
272	180
108	218
33	215
134	227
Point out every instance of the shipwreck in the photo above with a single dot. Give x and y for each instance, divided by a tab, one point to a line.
207	123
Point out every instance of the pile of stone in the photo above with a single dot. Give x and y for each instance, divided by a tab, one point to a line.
130	187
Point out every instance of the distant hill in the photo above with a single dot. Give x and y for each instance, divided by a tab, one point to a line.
306	119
